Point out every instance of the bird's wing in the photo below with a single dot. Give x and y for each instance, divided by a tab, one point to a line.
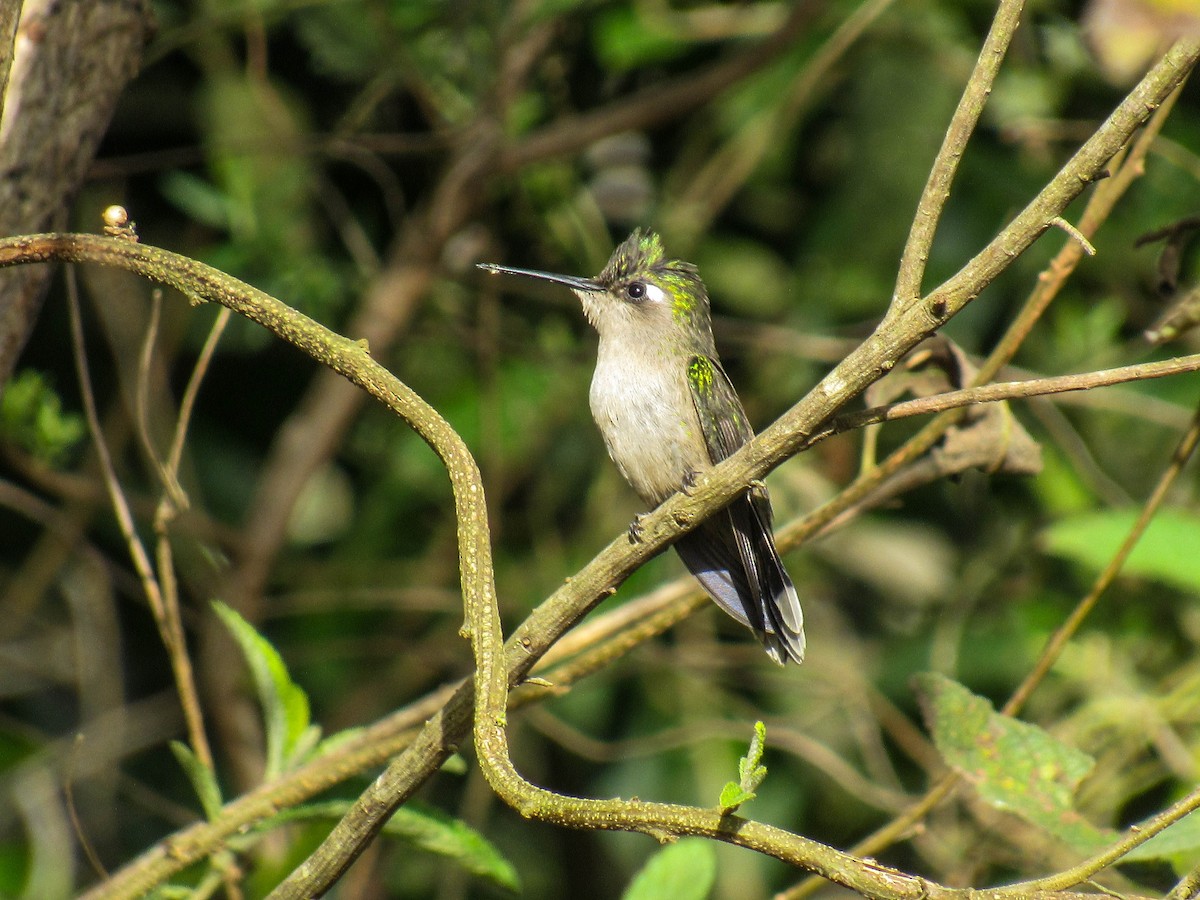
722	419
757	592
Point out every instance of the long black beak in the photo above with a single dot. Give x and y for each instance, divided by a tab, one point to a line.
571	281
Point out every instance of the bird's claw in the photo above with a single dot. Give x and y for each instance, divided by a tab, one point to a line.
635	529
689	481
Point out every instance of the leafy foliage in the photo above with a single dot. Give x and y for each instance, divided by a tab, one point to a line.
750	773
31	415
1020	768
1015	766
683	870
289	730
427	829
1166	552
356	159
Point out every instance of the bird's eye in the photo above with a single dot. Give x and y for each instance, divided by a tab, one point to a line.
635	291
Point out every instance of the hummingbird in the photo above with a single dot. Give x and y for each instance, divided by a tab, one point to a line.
667	411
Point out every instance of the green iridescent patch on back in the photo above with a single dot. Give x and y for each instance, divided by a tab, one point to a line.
700	375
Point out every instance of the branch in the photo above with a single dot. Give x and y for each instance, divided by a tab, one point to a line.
660	102
68	66
1049	282
599	578
962	124
1012	390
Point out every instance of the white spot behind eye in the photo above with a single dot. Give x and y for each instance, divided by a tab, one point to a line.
655	294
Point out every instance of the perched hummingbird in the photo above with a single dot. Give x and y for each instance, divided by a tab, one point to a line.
667	412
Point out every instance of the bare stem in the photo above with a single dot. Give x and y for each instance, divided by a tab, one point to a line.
168	627
1014	390
1064	633
962	124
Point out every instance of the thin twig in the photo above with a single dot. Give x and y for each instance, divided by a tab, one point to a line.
1084	244
176	651
1014	390
1058	641
173	500
141	393
941	174
85	842
188	402
1097	210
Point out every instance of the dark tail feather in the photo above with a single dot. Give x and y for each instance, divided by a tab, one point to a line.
733	556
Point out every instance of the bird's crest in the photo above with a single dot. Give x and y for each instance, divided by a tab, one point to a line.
641	257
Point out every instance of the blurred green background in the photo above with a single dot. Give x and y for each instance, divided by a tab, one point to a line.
355	158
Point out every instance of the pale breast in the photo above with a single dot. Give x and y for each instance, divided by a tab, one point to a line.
646	416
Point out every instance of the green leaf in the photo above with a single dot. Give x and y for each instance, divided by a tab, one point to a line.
733	796
750	773
290	736
684	870
455	765
1020	768
428	829
1166	552
203	779
436	832
626	39
31	414
1014	766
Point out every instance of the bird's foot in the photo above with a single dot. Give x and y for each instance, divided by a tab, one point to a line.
689	482
635	529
